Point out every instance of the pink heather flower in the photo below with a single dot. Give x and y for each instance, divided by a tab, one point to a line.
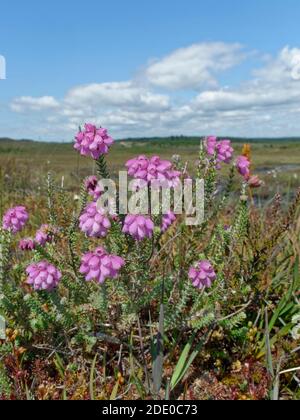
243	166
99	266
202	275
172	177
93	141
94	222
162	171
211	143
15	219
45	234
255	182
139	227
167	221
138	167
27	244
224	151
94	187
153	169
43	276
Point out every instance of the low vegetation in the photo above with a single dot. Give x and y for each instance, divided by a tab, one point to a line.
168	311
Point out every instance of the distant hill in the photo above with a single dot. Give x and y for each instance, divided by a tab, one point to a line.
7	140
189	140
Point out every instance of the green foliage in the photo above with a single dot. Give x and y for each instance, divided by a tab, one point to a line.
235	321
5	383
102	168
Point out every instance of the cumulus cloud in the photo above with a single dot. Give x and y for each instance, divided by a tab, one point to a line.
254	96
266	104
275	86
285	67
116	95
195	66
29	103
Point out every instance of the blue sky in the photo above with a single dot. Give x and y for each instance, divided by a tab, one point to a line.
150	67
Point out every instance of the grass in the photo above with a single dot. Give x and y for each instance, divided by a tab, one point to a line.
39	158
24	164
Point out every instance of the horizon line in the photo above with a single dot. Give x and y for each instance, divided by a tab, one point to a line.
153	138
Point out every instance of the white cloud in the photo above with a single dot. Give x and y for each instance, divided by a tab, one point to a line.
275	87
254	96
267	104
29	103
195	66
285	67
116	94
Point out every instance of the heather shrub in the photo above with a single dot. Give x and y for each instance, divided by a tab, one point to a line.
139	305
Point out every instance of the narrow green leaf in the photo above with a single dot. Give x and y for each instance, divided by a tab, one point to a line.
59	365
114	393
181	364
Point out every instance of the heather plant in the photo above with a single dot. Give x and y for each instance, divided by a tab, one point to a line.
154	302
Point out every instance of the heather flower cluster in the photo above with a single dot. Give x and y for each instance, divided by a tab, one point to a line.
93	141
160	173
202	275
94	222
138	226
153	169
243	166
15	219
43	276
222	149
99	265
